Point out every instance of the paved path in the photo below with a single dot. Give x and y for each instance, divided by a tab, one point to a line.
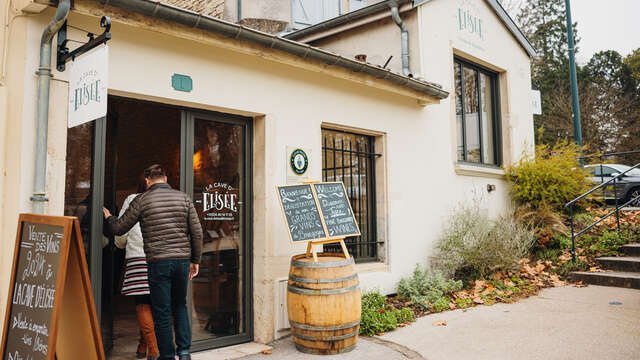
367	348
561	323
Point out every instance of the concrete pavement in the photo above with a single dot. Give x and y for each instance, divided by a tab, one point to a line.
560	323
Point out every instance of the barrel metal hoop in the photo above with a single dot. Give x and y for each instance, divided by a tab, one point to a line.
327	338
322	281
312	351
324	328
301	291
327	264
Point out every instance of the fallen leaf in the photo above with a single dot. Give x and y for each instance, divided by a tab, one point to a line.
478	300
266	352
379	334
440	323
452	306
401	325
593	269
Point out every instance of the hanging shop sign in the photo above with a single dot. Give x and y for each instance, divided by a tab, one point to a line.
50	313
88	83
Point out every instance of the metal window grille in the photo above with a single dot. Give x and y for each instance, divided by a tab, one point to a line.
350	158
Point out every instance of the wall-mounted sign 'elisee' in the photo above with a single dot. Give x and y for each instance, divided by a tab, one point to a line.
50	313
317	213
88	82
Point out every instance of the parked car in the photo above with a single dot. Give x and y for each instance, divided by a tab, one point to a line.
627	186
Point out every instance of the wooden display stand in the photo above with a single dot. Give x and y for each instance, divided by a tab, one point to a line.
53	305
311	251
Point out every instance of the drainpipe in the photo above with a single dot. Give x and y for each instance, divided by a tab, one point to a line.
239	10
44	79
404	36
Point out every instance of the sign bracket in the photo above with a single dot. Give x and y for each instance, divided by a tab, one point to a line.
63	53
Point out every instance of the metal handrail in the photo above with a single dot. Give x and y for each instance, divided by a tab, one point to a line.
570	204
600	186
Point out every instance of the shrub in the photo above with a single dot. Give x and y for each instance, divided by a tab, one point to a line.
377	318
609	242
552	176
473	246
377	321
545	222
405	315
567	268
548	254
428	288
373	300
464	303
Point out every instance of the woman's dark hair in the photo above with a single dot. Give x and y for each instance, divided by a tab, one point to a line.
154	172
142	184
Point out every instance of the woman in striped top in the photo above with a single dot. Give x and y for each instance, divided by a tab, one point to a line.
136	282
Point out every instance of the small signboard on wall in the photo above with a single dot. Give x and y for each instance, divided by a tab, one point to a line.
88	83
298	164
536	102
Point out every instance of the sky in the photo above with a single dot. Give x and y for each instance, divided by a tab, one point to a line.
606	24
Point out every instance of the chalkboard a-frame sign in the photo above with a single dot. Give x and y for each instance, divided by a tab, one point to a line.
317	213
50	310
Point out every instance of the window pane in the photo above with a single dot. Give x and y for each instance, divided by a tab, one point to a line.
488	151
460	133
472	133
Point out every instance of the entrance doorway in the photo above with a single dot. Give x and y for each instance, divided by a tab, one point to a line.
205	155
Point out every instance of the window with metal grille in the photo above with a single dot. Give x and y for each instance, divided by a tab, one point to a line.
350	158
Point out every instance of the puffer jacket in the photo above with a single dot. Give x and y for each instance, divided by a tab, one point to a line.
170	225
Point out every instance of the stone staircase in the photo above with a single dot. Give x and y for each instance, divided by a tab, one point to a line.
625	270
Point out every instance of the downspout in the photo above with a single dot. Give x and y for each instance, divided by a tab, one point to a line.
44	79
404	37
239	10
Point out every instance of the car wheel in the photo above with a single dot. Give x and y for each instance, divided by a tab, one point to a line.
634	194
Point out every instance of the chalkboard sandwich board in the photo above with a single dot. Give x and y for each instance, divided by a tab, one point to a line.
301	213
50	310
336	210
317	213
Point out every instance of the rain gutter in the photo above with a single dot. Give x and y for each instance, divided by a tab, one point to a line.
404	36
39	196
192	19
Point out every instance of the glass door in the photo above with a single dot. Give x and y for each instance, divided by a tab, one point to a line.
220	294
207	156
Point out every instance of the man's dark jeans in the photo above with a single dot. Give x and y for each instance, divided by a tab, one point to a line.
168	281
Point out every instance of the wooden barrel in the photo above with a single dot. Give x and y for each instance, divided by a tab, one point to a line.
323	302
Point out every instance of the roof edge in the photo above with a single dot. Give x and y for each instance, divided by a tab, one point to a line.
155	9
513	27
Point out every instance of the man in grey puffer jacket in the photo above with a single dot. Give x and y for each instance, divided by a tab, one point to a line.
173	246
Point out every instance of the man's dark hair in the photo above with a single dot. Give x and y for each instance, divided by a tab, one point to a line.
154	172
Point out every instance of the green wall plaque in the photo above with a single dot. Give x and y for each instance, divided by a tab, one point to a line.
182	82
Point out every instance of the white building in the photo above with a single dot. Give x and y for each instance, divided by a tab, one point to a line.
408	147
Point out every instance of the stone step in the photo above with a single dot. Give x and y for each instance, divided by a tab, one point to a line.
621	263
609	278
631	249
